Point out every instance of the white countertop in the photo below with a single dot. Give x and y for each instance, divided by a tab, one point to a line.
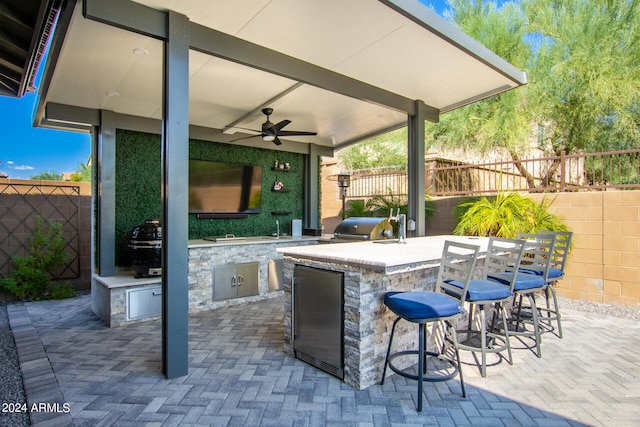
390	254
125	279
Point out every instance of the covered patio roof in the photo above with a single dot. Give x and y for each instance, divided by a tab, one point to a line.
204	69
346	70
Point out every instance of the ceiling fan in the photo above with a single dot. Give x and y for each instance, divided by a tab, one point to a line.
271	132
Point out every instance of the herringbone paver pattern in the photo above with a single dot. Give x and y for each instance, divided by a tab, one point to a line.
239	376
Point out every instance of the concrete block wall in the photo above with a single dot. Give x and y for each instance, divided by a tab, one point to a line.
604	264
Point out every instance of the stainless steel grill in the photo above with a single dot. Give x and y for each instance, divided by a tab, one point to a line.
363	228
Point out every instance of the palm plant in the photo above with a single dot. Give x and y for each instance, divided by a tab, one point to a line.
384	204
358	208
505	215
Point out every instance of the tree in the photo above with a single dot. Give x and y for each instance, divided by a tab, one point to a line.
389	149
581	59
586	77
47	176
503	121
82	173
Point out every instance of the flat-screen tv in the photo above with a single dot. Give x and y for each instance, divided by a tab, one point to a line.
216	187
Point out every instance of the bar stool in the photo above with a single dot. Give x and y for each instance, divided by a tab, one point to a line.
503	257
530	277
422	307
556	272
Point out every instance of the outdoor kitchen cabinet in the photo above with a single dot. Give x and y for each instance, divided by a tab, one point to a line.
235	280
275	277
144	302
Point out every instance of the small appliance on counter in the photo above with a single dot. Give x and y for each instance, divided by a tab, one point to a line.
145	247
296	227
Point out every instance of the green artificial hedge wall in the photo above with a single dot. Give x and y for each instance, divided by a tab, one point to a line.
138	188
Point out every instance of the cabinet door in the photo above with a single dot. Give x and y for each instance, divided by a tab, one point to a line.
248	278
276	274
224	282
144	302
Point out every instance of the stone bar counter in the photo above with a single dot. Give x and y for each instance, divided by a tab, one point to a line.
122	299
369	270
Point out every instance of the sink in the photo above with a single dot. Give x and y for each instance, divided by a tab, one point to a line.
223	239
276	238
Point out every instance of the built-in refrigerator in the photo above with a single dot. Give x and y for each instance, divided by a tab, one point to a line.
318	318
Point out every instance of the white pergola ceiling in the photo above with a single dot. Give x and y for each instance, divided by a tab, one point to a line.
366	40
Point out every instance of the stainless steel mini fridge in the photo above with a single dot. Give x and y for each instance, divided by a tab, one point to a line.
318	318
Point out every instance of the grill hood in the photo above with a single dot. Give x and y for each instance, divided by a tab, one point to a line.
364	228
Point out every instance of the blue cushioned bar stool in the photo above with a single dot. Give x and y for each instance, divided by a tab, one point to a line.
423	307
529	278
503	255
556	272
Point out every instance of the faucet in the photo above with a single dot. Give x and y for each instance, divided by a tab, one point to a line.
277	229
402	225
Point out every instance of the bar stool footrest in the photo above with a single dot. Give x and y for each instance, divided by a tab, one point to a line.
449	363
473	341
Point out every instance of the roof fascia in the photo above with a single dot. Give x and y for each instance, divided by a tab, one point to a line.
70	117
45	20
62	26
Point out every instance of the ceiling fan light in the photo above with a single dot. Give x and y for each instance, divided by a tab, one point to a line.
268	137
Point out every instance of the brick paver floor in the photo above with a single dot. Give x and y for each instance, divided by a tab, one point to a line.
239	376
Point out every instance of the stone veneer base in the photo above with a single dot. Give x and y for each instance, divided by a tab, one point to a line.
108	294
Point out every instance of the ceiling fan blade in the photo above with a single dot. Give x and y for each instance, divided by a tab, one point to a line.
245	137
277	141
240	127
278	126
293	133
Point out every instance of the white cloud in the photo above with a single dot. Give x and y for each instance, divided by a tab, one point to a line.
10	162
22	168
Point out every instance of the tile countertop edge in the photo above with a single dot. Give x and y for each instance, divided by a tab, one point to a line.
202	243
125	279
417	250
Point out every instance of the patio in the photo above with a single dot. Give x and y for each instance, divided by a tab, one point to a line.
238	375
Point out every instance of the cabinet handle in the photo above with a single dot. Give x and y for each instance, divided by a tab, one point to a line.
233	281
293	308
156	294
240	280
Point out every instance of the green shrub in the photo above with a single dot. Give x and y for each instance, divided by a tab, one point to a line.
31	276
505	215
61	291
26	280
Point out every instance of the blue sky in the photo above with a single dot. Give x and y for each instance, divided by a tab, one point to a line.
26	151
